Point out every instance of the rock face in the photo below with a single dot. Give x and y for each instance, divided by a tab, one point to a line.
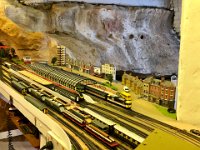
147	3
36	44
177	6
139	39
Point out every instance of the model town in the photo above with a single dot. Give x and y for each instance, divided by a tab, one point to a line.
89	101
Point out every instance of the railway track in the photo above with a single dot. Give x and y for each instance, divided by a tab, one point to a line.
137	123
90	144
171	130
163	126
104	113
88	140
151	123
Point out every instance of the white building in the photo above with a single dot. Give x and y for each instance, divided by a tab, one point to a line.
97	70
61	54
109	69
174	80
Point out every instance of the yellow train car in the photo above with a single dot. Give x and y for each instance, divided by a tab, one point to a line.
125	95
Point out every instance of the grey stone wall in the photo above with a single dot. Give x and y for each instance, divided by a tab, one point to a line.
128	37
147	3
177	5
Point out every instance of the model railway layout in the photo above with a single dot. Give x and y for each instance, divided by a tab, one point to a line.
78	83
42	99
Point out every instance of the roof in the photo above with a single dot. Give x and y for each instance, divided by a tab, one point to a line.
148	79
162	140
98	123
63	75
129	133
110	65
167	84
125	93
156	82
105	120
35	77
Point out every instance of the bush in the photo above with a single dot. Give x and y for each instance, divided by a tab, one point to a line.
107	84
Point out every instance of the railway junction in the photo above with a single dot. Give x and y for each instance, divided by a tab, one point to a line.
139	128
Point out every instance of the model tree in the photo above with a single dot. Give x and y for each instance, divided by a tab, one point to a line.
54	59
109	78
2	52
7	52
13	52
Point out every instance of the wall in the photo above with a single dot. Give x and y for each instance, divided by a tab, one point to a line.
177	14
188	108
151	3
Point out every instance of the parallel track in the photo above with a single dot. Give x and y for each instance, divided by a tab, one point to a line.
148	124
103	113
151	123
147	128
91	145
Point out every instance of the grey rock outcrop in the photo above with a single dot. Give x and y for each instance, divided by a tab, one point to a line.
139	39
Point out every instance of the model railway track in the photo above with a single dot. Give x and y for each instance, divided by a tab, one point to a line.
82	136
165	127
75	144
153	123
103	113
150	123
147	128
89	143
174	131
26	86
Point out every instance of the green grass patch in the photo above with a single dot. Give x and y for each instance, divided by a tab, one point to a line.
17	61
107	84
4	58
164	111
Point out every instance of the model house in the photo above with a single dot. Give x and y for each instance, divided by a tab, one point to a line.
109	69
61	55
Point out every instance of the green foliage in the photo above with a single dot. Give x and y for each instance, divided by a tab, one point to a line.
17	61
109	77
13	52
164	111
7	52
107	84
53	60
2	52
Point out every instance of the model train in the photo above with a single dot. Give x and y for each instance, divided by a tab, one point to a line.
124	99
63	90
73	113
71	94
48	72
80	116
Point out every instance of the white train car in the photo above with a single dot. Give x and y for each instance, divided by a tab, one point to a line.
116	129
127	135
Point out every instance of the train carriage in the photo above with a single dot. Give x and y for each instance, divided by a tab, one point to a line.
19	87
38	104
96	92
127	135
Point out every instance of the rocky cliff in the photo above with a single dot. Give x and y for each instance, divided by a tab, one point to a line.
133	38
